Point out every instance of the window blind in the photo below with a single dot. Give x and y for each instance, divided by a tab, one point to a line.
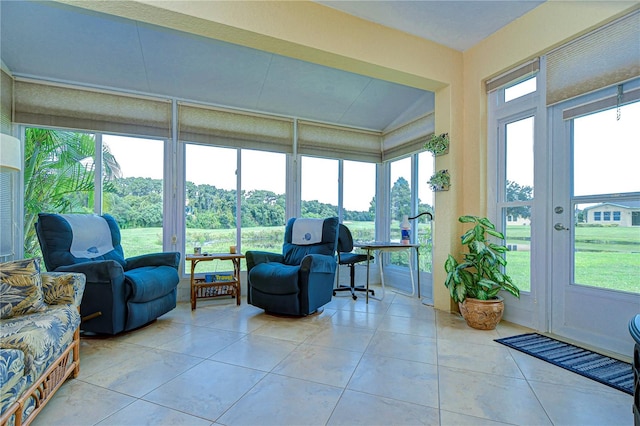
407	139
6	99
42	104
521	73
607	56
331	141
224	127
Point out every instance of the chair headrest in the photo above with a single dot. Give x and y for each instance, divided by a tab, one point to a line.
307	231
91	235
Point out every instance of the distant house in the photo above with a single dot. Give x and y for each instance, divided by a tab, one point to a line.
621	214
518	220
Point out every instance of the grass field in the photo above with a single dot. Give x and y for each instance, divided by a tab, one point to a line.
606	257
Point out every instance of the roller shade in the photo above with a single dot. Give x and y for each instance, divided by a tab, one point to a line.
217	126
607	56
332	141
6	97
521	73
39	104
407	139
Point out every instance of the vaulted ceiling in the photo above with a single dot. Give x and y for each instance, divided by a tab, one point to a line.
61	43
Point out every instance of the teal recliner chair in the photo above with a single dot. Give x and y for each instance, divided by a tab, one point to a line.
300	280
121	293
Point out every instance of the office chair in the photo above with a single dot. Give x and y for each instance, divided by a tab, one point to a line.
346	257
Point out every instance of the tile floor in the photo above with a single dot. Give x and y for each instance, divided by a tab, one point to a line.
394	361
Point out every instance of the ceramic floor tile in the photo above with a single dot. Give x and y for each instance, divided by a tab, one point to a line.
404	346
202	341
244	321
408	381
258	352
357	408
373	307
100	354
348	338
394	361
292	329
456	419
282	401
408	325
145	413
318	364
415	311
143	372
155	334
487	396
567	405
80	403
207	390
349	318
480	358
452	327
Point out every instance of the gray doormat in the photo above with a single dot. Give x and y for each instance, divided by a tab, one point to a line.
601	368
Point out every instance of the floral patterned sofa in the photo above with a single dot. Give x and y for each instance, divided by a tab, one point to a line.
39	336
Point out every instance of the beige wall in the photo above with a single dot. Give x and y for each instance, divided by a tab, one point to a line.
311	32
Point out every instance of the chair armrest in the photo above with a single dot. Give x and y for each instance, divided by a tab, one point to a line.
63	288
171	259
100	271
254	258
320	263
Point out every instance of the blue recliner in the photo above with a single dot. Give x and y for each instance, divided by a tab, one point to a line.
300	280
121	294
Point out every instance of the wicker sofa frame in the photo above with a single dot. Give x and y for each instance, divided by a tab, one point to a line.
67	365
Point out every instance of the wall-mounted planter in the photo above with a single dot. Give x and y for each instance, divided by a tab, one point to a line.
440	181
438	144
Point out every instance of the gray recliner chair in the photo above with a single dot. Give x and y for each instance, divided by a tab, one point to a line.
121	293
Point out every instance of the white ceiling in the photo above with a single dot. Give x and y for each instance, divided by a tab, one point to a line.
56	42
458	24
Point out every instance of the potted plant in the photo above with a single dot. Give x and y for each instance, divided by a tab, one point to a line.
475	282
440	181
438	144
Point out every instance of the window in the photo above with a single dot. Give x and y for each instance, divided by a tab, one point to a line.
132	170
359	199
607	216
520	89
513	124
616	216
319	187
263	200
59	177
400	202
597	216
210	200
423	226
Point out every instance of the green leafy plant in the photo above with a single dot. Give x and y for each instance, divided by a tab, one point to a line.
440	181
480	274
437	144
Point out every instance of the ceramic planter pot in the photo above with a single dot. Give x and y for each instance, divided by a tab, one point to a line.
482	314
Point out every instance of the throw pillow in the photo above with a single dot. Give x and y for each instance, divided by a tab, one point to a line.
20	288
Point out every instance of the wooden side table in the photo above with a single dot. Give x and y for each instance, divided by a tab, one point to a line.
201	289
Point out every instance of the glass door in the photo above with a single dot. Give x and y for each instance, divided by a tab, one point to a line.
595	275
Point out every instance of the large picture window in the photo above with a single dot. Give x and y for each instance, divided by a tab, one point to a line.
133	191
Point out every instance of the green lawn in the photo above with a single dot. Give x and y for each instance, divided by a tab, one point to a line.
606	257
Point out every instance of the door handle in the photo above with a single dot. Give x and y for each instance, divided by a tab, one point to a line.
560	227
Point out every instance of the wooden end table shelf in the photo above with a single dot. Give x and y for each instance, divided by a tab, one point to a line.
205	290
